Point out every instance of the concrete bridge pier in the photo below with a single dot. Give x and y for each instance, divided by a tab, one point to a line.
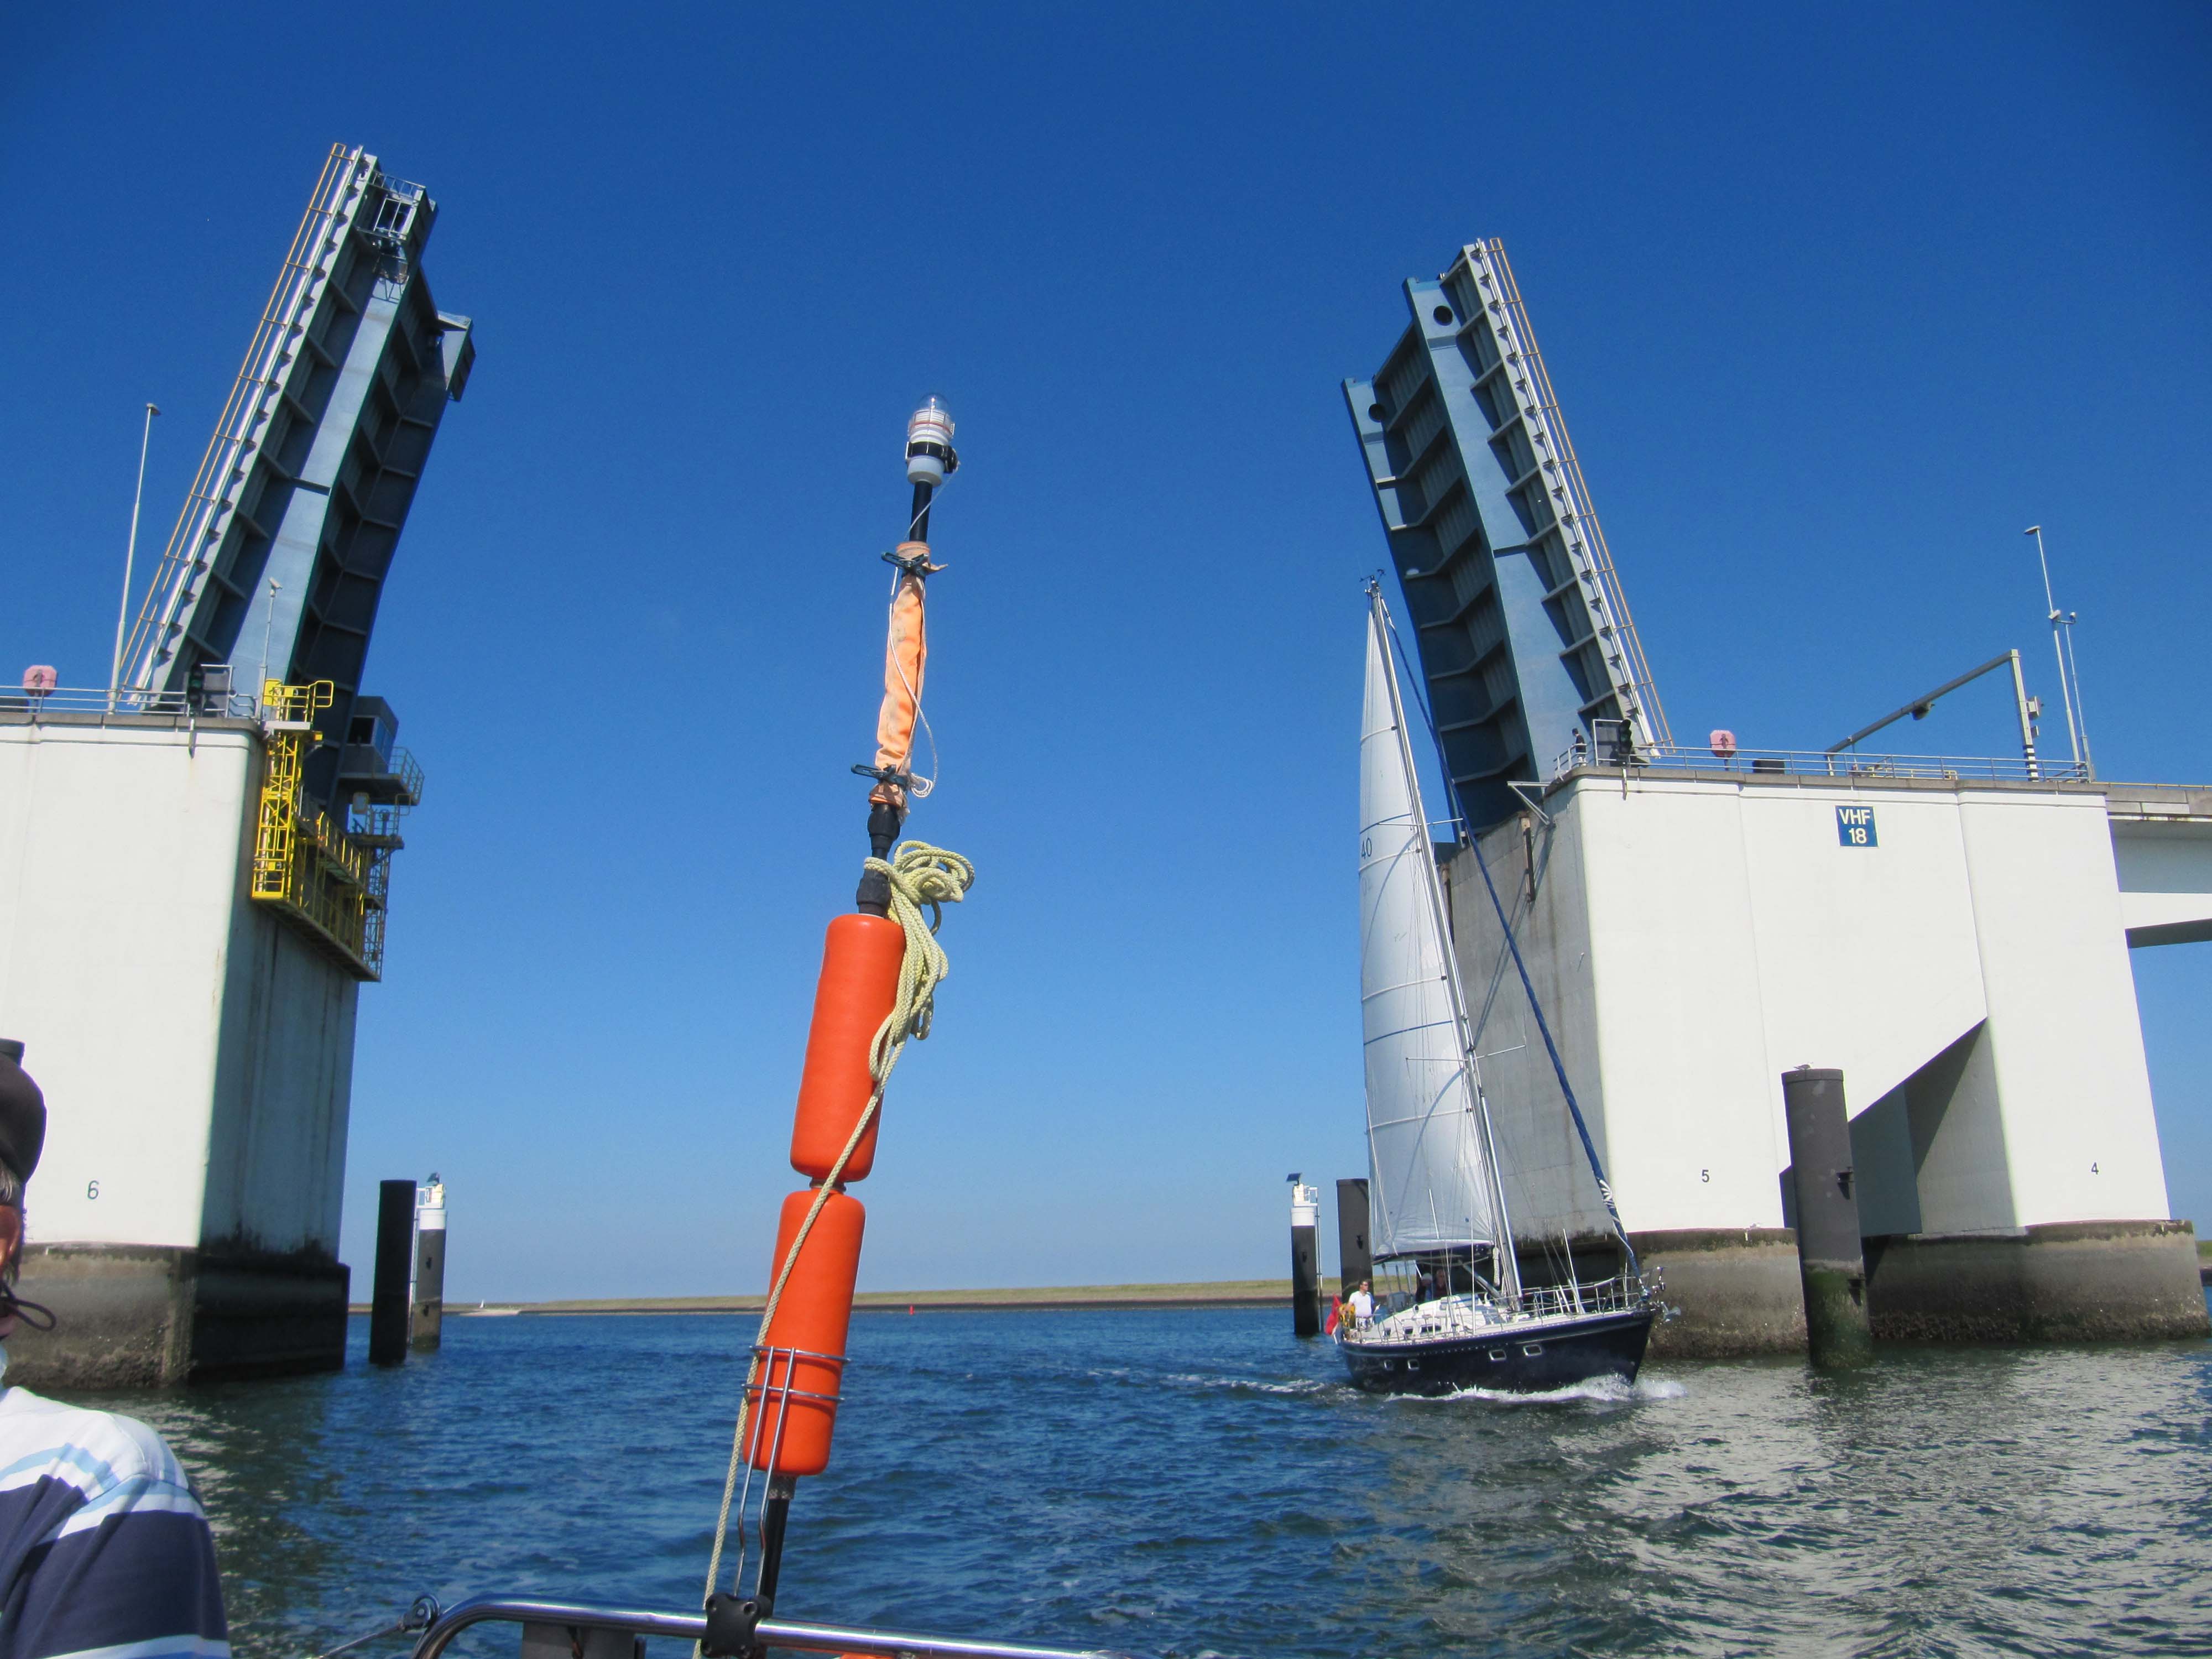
1957	946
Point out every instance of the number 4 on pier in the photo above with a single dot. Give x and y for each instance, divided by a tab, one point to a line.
1855	826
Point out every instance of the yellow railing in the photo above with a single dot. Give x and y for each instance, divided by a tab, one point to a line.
307	867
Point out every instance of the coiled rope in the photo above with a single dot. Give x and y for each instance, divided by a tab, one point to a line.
919	875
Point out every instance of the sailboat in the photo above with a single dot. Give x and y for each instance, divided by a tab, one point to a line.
1452	1312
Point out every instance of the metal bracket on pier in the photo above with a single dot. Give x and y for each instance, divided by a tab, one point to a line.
1534	802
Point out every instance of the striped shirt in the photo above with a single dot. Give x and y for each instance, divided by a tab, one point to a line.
103	1553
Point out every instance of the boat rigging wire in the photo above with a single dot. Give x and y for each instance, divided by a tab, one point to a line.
1543	1027
1559	1068
919	874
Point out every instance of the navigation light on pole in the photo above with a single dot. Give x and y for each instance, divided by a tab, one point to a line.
930	457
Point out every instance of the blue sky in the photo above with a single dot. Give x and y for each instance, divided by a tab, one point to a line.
1836	300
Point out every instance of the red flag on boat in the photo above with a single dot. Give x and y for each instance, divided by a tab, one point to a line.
1335	1307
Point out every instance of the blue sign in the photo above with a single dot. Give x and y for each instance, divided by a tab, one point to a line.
1855	826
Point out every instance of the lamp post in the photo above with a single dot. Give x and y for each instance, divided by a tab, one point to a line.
2070	673
268	628
129	556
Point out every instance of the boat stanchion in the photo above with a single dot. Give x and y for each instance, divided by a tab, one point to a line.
1831	1261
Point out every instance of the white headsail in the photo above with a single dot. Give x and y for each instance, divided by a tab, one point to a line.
1431	1184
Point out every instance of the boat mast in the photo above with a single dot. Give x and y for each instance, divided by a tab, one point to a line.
1506	1261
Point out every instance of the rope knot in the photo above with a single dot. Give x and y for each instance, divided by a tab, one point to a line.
919	874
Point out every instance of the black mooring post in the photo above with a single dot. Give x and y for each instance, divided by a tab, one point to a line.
395	1242
1830	1259
1305	1264
426	1309
1355	1259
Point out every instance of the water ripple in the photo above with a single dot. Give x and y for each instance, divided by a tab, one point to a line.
1197	1482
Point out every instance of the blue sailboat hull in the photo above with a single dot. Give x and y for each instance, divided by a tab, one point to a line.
1557	1355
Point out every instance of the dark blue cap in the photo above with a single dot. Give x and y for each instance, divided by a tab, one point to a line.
22	1113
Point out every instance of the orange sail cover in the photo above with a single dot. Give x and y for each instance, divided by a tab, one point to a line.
906	654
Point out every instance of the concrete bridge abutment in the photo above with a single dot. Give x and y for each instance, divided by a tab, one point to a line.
196	1049
1958	948
146	1316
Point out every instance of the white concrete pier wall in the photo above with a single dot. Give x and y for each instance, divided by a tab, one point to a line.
196	1051
1694	935
283	1093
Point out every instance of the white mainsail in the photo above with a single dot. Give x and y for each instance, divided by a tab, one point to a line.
1430	1185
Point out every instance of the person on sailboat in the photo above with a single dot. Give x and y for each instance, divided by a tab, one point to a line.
1362	1305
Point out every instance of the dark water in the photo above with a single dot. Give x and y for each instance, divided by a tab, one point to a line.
1188	1483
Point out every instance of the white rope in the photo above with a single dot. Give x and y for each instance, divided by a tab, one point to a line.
919	874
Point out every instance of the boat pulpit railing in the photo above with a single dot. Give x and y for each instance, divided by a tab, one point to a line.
587	1630
1458	1314
1620	1294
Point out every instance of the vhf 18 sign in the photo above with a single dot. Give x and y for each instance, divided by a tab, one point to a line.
1855	826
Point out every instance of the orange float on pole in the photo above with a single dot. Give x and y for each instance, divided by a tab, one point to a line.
790	1409
860	959
793	1398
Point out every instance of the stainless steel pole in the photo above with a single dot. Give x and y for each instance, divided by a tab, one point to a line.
2058	649
2026	719
2080	713
130	557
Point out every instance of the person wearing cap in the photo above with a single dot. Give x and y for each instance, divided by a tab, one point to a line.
103	1548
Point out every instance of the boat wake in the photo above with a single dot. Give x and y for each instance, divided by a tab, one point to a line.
1597	1390
1303	1385
1299	1387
